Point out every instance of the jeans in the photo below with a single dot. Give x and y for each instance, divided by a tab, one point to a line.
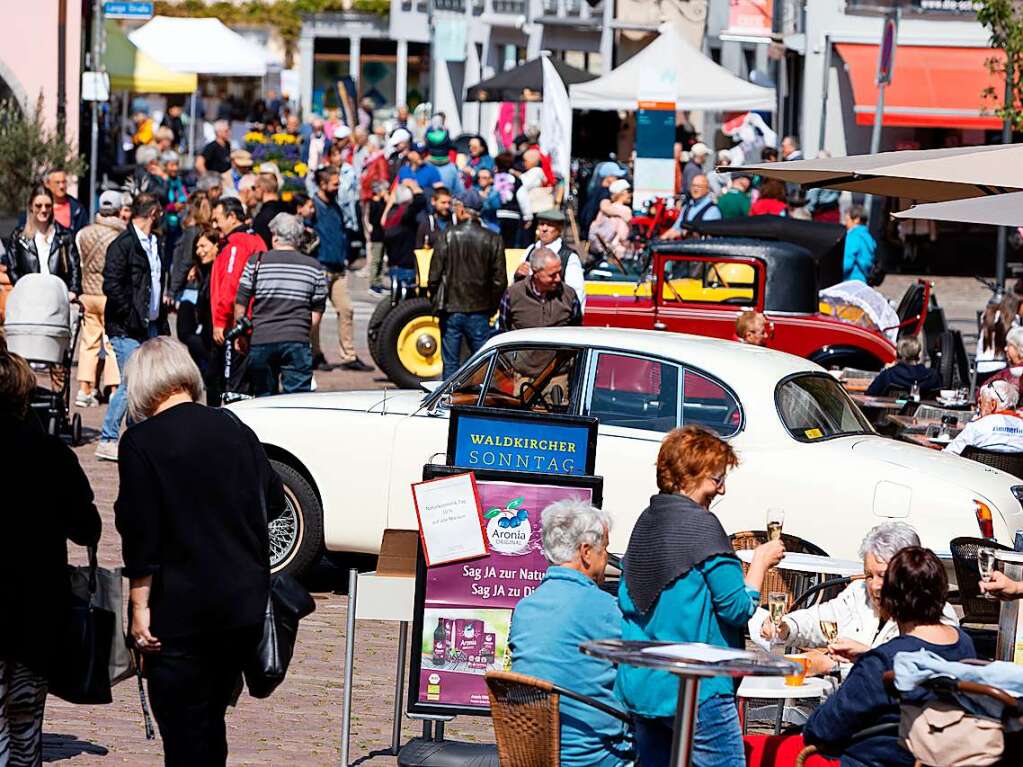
716	743
456	326
402	276
124	347
291	361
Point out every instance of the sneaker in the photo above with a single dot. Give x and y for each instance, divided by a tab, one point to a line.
106	451
357	365
86	400
320	363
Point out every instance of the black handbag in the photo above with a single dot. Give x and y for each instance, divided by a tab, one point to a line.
286	605
81	671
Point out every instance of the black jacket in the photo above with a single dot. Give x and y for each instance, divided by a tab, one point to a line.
47	500
399	233
127	284
63	259
189	513
901	377
467	271
79	216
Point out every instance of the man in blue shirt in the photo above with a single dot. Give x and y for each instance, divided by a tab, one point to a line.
422	173
333	257
860	248
698	207
568	608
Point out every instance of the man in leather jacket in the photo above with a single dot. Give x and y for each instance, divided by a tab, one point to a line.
468	276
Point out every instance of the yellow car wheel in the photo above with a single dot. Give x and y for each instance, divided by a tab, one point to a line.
409	343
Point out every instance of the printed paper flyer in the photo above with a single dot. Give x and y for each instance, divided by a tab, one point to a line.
468	605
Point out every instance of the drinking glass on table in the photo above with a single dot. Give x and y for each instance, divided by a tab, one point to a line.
777	601
775	522
986	564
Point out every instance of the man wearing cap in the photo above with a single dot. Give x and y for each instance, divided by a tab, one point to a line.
216	155
697	155
397	150
467	279
550	224
241	165
92	242
424	174
541	300
438	144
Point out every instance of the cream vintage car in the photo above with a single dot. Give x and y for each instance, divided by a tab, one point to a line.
348	458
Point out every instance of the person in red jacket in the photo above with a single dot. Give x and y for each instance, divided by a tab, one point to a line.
237	245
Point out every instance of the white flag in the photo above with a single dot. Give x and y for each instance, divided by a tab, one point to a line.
556	120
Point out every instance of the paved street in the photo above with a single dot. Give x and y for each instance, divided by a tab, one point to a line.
301	723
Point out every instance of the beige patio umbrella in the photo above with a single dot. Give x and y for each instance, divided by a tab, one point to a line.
925	175
996	210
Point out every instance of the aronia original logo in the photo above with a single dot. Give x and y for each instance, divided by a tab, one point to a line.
508	529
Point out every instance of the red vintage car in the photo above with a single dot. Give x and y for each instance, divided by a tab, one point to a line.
701	286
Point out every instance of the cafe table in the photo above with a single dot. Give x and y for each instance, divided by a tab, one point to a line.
811	563
773	688
920	438
690	662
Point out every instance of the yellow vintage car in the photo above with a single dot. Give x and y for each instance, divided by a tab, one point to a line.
404	335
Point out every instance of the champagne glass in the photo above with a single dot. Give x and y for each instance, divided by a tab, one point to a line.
775	522
829	629
986	565
777	601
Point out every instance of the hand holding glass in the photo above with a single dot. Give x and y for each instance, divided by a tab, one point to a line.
775	522
986	564
777	601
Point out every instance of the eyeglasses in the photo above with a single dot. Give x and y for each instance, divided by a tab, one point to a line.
41	206
719	481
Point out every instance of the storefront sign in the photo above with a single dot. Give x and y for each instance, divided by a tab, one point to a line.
750	18
449	514
463	610
484	438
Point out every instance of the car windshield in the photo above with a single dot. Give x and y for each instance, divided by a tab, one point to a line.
815	407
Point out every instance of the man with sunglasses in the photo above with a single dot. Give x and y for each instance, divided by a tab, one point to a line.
999	427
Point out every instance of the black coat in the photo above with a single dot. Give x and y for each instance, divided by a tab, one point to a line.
63	260
467	271
127	284
47	500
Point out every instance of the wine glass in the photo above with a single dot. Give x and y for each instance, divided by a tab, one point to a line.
829	629
986	565
777	601
775	522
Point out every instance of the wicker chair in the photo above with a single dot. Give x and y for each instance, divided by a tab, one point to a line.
791	582
527	722
1010	463
976	609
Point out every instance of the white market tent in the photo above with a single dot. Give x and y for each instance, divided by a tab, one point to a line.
698	82
200	45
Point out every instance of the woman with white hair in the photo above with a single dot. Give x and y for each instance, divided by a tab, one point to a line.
907	371
566	609
196	490
856	610
1013	369
999	427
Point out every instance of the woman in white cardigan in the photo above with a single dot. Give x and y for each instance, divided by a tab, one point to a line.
855	609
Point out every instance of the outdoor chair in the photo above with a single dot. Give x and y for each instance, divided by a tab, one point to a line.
1010	463
934	414
788	581
944	689
527	721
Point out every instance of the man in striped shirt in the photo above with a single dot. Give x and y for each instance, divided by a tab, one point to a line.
283	292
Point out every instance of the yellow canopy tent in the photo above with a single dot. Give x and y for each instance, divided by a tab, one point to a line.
132	70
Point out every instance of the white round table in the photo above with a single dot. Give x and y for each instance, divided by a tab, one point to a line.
774	688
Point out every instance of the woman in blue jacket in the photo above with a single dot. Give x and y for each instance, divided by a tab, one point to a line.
683	583
860	248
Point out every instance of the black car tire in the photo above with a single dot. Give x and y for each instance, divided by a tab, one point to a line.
376	319
296	537
400	315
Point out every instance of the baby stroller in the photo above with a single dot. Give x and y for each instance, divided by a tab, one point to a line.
41	327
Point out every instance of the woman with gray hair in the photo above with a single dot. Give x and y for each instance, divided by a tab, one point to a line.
196	492
907	371
855	611
566	609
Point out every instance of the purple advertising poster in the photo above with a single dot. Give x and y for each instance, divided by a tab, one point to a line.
468	605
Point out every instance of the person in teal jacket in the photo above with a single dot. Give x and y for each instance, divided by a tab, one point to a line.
860	248
682	582
567	609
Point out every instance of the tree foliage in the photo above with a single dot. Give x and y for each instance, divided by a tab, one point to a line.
1004	20
27	149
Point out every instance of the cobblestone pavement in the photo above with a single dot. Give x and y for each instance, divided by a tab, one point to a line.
301	723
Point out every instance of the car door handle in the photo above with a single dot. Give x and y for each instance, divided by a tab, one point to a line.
660	326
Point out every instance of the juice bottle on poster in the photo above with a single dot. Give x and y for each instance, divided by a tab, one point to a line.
433	687
489	651
440	642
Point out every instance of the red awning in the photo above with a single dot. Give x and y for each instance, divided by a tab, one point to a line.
932	86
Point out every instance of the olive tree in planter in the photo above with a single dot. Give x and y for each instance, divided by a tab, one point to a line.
27	149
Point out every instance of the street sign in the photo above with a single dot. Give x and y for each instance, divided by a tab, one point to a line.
95	86
886	52
127	10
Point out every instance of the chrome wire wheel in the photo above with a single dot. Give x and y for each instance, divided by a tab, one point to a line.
285	532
